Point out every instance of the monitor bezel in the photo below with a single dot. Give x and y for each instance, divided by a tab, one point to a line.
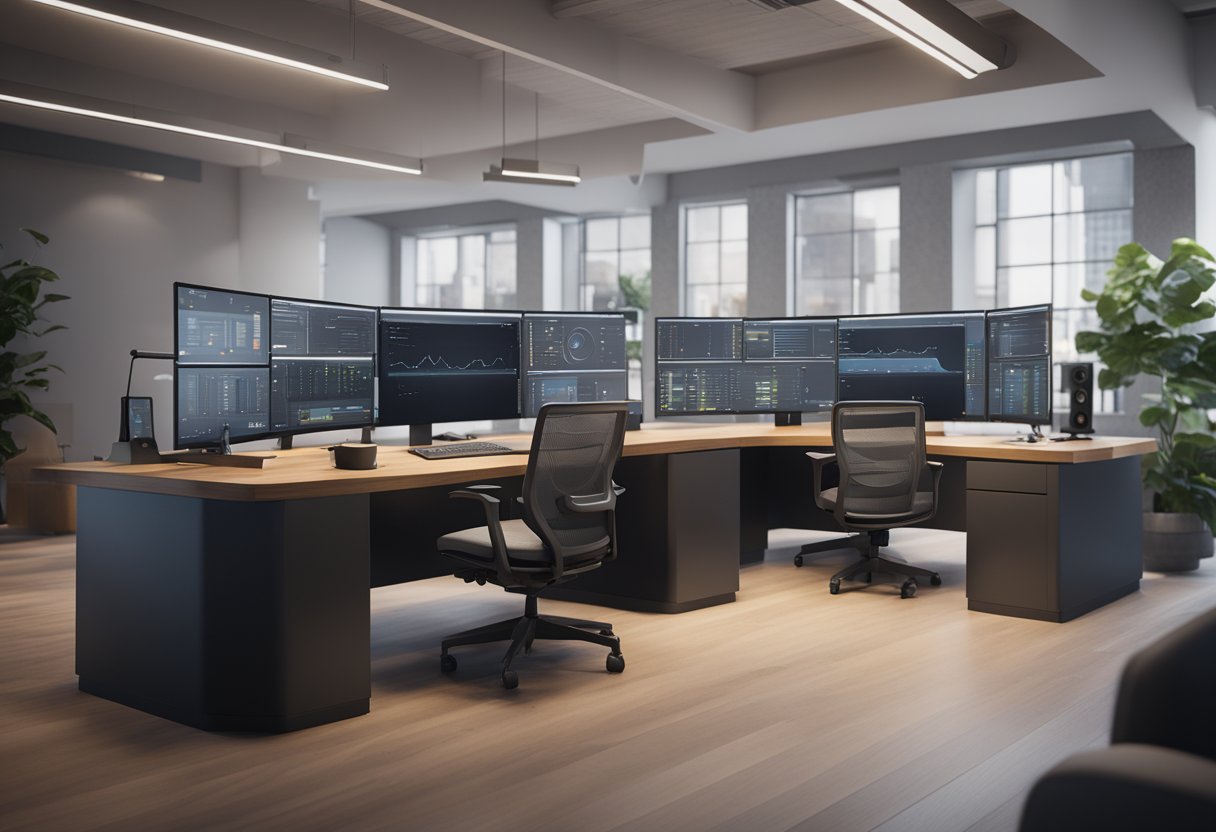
439	311
524	373
1051	369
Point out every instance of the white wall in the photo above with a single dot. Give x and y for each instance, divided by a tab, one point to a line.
119	243
358	262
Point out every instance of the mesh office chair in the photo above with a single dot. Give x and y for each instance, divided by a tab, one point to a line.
569	527
880	451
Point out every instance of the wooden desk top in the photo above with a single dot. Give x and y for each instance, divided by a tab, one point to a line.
307	472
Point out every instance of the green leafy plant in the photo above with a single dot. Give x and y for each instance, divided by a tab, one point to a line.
21	301
635	292
1151	315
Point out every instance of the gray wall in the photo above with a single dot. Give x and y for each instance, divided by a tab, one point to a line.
119	243
358	262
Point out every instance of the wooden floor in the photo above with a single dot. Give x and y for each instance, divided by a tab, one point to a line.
790	709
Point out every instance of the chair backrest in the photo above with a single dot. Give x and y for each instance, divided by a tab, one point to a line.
569	501
880	450
1167	695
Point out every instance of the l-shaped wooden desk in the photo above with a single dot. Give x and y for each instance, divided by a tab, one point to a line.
237	599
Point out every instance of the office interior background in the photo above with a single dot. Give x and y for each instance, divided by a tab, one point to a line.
737	158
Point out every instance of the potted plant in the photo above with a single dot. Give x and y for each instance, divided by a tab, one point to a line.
21	301
1152	314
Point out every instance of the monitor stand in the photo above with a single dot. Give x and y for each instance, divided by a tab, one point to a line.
286	442
220	455
420	434
365	438
787	418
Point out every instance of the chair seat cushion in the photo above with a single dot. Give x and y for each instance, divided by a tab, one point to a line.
922	503
523	546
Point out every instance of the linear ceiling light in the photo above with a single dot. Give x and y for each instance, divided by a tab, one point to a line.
939	29
184	27
532	171
293	145
528	171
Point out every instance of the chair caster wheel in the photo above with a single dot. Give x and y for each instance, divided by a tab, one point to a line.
936	580
447	663
510	679
908	589
616	662
797	560
834	587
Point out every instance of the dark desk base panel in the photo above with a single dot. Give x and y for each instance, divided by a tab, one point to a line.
1052	542
222	615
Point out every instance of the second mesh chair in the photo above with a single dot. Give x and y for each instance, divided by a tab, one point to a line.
569	527
880	451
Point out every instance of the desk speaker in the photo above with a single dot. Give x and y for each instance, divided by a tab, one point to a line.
1077	381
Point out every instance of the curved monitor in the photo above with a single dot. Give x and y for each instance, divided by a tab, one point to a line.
439	365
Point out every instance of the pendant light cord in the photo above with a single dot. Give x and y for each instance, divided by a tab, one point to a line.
504	104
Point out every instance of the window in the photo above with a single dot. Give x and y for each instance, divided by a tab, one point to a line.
616	263
846	253
1045	231
466	271
715	260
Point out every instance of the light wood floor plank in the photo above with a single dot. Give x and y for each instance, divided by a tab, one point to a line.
790	708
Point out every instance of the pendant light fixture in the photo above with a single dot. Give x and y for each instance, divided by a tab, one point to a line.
528	171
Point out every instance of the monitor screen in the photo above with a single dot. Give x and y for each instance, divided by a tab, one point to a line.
789	365
448	366
310	394
1019	365
936	359
323	330
576	357
208	398
215	326
699	339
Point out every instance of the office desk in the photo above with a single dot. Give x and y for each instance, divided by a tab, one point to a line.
237	599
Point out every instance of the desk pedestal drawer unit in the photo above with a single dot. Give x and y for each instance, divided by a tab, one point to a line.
1052	542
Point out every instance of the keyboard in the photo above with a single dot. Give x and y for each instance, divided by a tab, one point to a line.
460	449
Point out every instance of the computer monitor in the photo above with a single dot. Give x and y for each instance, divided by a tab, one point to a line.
789	365
321	330
313	394
936	359
1019	365
212	398
575	357
696	365
218	326
438	365
699	339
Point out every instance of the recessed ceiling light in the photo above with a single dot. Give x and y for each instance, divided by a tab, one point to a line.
292	145
217	36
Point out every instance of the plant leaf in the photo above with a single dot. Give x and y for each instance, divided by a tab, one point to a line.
37	235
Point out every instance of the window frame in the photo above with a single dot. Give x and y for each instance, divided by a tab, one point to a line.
486	234
685	242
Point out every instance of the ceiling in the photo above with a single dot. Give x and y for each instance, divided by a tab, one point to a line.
597	82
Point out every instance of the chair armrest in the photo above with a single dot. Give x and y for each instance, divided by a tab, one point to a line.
491	505
1125	786
818	461
573	502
